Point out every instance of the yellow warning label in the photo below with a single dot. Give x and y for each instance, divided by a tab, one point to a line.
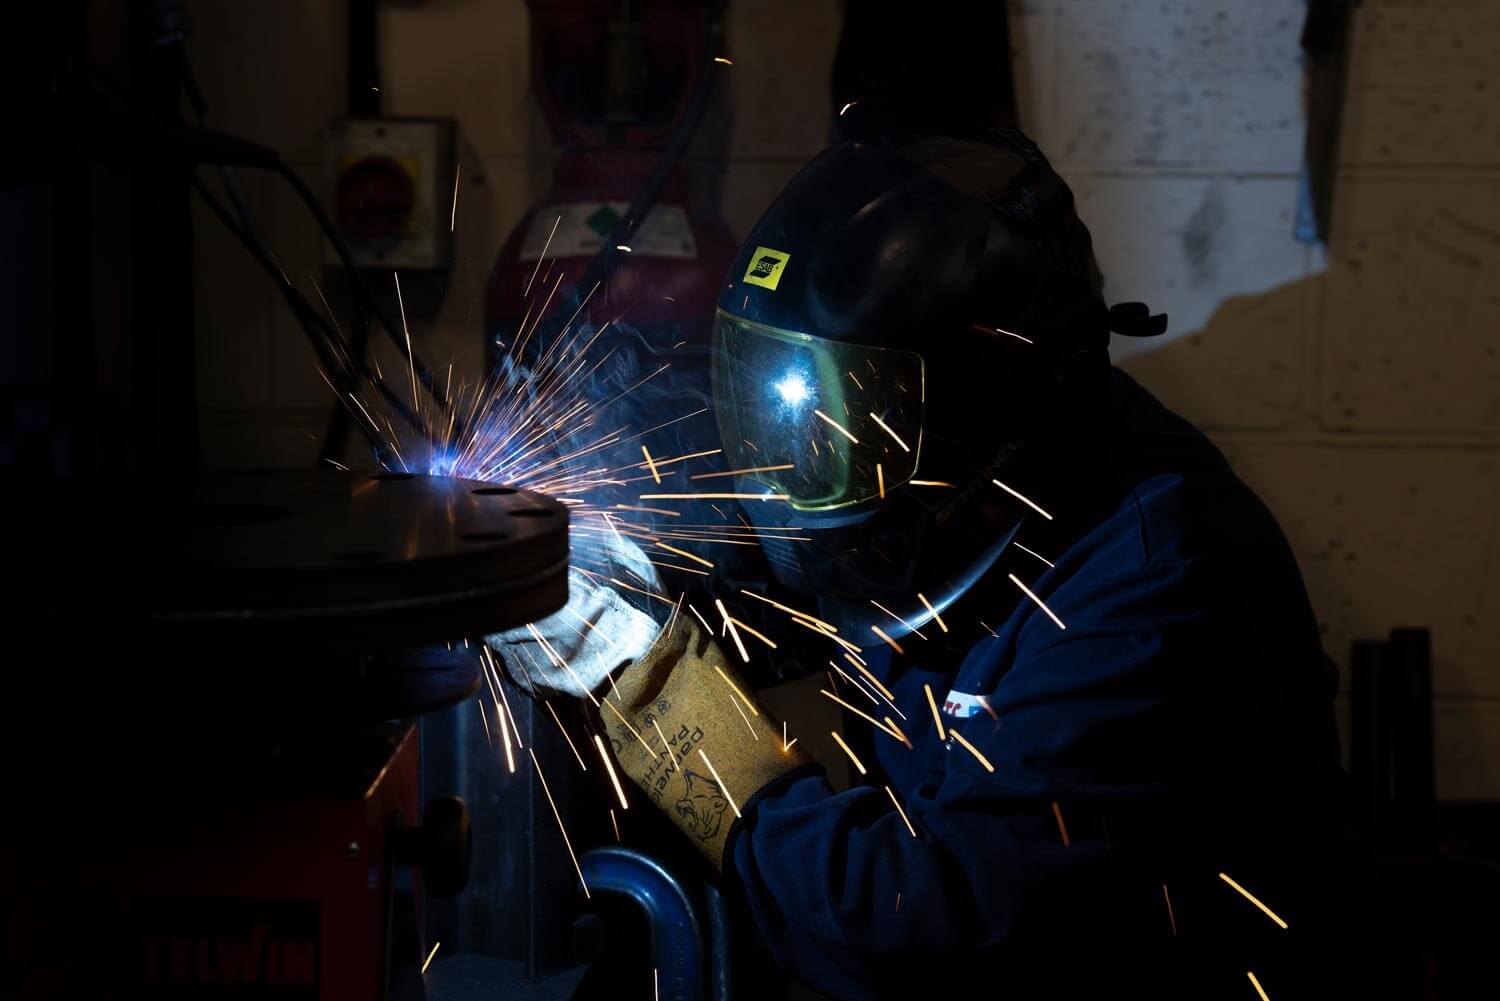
765	267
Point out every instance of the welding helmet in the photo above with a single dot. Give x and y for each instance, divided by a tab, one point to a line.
901	321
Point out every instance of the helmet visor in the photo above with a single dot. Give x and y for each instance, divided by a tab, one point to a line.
824	422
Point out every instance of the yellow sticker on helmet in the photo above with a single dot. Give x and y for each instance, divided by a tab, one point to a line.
765	267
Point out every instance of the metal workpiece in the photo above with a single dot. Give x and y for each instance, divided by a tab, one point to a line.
320	563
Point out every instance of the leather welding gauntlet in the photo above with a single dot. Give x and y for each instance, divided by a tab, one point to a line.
674	692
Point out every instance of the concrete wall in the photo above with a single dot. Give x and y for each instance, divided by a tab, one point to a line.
1354	388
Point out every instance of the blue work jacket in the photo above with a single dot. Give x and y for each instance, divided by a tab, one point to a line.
1102	776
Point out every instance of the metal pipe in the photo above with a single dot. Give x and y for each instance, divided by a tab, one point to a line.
676	931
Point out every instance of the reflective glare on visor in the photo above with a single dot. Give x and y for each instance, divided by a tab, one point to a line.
826	423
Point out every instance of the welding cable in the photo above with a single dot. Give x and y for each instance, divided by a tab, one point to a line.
346	257
181	146
325	340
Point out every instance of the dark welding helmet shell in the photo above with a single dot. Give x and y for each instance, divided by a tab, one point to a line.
934	298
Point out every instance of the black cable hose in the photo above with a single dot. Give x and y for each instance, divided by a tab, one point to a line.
346	257
269	159
326	341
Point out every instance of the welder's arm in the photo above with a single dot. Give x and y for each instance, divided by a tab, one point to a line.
1143	698
683	726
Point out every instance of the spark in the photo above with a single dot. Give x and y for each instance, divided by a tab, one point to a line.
746	470
504	701
837	426
609	767
623	248
898	618
428	961
973	750
859	666
986	703
700	619
725	61
685	555
1002	330
1023	499
736	689
453	213
897	731
1040	604
510	761
1258	988
887	429
1061	827
901	811
722	787
756	633
935	616
571	745
633	731
856	685
665	743
931	483
822	626
785	746
734	633
654	474
753	734
676	610
674	566
880	478
1251	897
1171	918
552	803
615	824
937	717
656	983
683	458
649	510
761	497
485	720
556	658
863	715
894	645
410	357
639	590
898	901
852	756
1037	555
846	107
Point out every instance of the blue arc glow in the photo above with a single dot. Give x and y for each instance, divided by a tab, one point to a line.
793	389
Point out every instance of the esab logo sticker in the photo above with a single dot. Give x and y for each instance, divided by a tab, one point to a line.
765	267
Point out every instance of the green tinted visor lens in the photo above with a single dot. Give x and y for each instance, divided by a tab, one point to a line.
826	423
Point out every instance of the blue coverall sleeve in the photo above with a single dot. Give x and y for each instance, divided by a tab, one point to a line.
1146	691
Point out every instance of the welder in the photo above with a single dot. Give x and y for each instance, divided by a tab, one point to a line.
1085	683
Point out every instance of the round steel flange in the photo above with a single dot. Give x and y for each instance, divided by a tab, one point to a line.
299	566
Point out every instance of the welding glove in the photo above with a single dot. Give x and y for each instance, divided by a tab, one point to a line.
573	650
720	747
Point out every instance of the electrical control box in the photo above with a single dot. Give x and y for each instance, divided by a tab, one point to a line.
391	188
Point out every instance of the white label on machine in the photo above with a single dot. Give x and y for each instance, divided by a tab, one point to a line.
582	228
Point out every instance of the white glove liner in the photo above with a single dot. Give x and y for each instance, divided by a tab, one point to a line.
594	633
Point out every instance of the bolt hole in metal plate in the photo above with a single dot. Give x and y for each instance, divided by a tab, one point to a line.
311	564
